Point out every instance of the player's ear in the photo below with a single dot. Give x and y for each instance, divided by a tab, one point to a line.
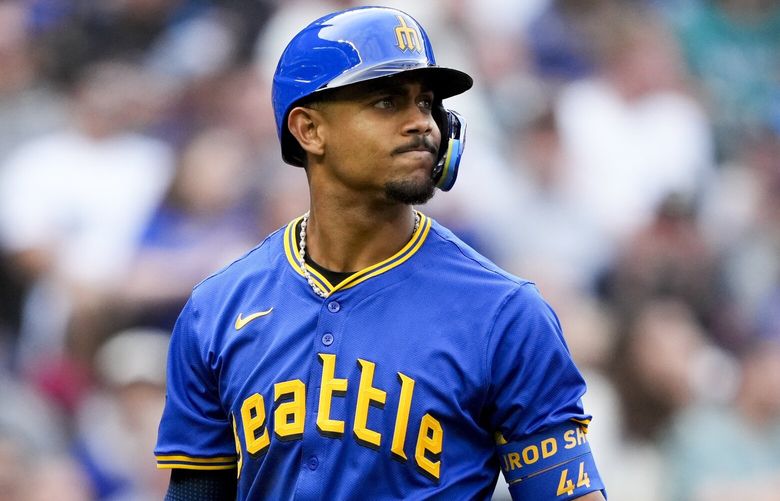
304	124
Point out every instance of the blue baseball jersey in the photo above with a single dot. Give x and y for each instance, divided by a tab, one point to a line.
419	377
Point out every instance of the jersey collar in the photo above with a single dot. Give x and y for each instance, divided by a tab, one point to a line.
291	250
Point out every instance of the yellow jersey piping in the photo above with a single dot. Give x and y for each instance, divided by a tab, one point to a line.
194	463
407	251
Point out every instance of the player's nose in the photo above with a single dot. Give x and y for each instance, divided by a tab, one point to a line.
418	121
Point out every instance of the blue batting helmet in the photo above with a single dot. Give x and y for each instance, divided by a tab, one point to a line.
360	44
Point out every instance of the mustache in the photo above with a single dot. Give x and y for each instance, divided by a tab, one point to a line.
418	143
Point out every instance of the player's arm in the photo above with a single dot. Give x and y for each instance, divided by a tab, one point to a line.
536	408
198	485
591	496
195	439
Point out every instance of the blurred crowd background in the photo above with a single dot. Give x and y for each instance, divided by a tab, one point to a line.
622	154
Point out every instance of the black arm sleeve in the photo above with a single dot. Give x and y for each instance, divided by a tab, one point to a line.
200	485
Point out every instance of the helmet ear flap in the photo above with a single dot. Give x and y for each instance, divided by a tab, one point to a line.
292	153
440	117
453	140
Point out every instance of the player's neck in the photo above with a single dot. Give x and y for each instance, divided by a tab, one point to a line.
351	238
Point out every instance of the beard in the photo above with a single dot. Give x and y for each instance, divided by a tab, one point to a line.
410	192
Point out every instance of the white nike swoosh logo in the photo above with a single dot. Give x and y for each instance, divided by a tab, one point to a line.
241	321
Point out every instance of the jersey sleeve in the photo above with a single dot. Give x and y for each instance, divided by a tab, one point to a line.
535	404
195	431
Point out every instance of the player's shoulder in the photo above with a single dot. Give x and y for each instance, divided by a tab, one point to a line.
451	254
257	261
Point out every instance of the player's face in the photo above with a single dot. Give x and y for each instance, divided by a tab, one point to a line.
382	139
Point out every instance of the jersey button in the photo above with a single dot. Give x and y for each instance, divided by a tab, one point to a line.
334	306
327	339
313	463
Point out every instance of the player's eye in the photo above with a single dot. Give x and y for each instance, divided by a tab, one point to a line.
426	103
385	103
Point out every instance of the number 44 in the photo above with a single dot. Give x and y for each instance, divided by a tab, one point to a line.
566	486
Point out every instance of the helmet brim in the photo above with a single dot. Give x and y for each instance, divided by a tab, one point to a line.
445	82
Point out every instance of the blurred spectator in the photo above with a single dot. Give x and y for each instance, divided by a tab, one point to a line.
654	366
186	44
34	448
561	39
57	477
548	234
207	219
29	106
767	325
732	48
630	133
43	479
32	421
201	60
12	290
743	218
72	206
667	258
241	105
117	425
13	465
81	33
662	365
731	451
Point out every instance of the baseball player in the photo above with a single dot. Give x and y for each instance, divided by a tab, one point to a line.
363	351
